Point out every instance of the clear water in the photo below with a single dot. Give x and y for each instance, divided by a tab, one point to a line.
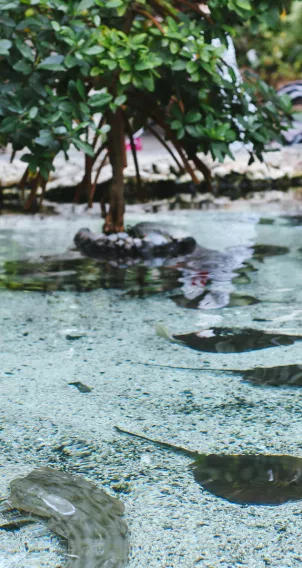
103	338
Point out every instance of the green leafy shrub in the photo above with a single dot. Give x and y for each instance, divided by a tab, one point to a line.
87	73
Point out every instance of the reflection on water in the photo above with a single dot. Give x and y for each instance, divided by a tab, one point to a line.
228	340
250	479
74	272
285	375
214	299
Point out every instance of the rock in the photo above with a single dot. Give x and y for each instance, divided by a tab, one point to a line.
155	243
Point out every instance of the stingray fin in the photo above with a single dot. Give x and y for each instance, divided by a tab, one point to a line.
162	331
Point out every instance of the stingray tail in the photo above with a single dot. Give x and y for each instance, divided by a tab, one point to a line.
162	331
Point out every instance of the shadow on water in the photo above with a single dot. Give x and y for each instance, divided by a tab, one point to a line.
250	479
232	340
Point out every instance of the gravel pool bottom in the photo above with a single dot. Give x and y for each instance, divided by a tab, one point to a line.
75	364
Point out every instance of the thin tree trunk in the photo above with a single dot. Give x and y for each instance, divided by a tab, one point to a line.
93	187
140	193
29	203
114	221
84	187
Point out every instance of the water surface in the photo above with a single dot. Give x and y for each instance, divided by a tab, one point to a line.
78	322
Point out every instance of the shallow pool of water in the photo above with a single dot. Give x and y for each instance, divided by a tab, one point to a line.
80	355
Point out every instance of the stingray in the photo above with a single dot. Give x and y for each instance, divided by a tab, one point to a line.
253	479
77	510
229	340
278	376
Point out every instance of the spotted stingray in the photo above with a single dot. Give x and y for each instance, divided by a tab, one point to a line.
77	510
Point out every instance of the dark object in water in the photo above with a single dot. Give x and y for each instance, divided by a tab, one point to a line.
77	510
230	300
232	340
80	386
262	251
251	479
285	375
122	245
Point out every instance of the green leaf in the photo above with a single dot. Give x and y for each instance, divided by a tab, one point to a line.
85	5
192	116
5	46
81	89
139	39
65	106
176	125
52	63
120	100
9	124
114	4
80	145
44	139
148	82
99	100
25	50
55	26
23	67
192	67
33	112
125	78
93	50
179	65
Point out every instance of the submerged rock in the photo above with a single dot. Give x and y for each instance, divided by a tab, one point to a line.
143	244
77	510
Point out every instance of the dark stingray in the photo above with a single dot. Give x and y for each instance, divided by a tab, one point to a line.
81	387
262	251
285	375
250	479
232	340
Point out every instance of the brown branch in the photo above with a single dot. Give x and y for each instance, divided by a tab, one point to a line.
30	200
201	166
196	9
43	188
185	161
166	146
99	151
96	134
134	153
97	175
151	18
164	10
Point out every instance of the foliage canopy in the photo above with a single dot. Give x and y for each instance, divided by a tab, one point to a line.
85	73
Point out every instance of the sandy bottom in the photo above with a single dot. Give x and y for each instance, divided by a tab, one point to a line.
172	521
